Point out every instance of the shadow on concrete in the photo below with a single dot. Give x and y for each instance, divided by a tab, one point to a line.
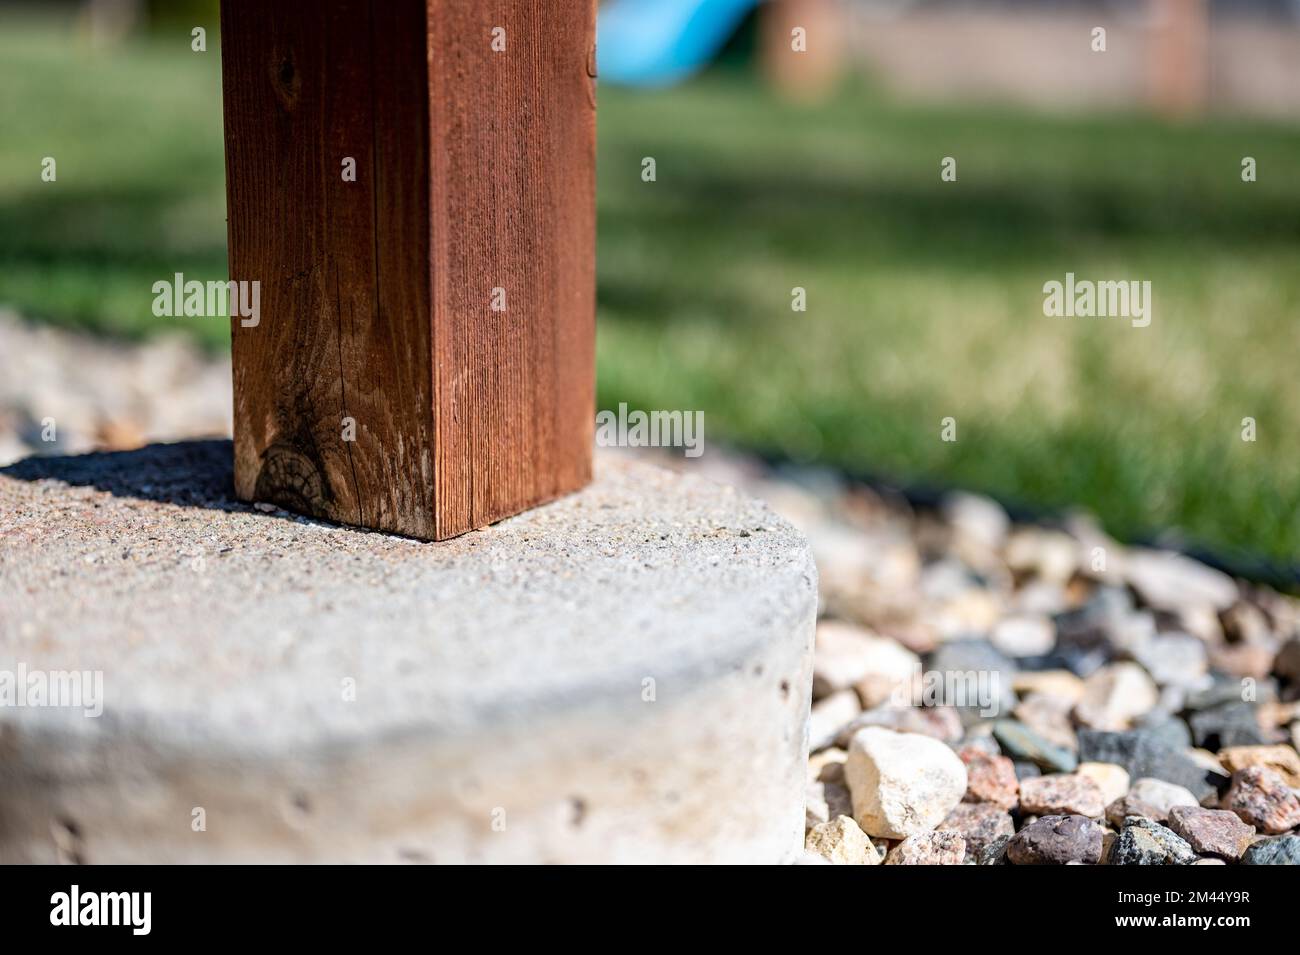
188	473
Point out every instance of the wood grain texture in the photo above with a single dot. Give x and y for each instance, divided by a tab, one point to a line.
475	171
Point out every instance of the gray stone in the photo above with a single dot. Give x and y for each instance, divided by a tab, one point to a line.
1145	754
995	853
1096	624
1021	743
1174	659
1233	724
1226	690
1170	729
1143	842
976	656
1024	769
595	680
1284	850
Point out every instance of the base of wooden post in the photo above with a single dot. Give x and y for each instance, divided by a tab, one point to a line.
593	681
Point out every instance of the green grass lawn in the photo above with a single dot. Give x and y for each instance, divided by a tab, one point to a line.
924	298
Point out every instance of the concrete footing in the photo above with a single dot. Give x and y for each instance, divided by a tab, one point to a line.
621	676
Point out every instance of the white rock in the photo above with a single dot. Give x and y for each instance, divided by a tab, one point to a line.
1169	581
1049	555
1161	795
841	842
828	715
1114	696
1112	780
1174	659
850	656
1058	683
979	520
902	783
1024	636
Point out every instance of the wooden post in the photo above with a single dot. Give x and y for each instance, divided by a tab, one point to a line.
412	183
1180	64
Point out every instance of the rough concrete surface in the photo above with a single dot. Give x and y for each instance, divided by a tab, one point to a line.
623	675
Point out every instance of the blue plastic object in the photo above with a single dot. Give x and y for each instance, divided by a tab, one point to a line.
661	42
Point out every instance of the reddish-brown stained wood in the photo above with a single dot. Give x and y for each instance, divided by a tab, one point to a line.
474	171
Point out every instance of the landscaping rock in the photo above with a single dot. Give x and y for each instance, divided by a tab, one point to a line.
995	853
1056	840
1284	850
1282	759
1231	725
1115	696
1023	636
1261	797
1174	659
1064	795
824	801
1169	581
1021	742
1049	717
827	766
1060	684
829	715
1167	729
1112	780
849	656
977	657
939	722
1144	754
989	778
942	847
979	520
1143	842
841	842
902	783
1287	663
1125	806
1215	832
980	825
1161	796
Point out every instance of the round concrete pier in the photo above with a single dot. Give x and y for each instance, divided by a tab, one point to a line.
621	676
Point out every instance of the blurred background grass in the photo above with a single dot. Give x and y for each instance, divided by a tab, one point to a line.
924	298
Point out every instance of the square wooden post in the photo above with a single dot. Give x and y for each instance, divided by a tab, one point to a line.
412	185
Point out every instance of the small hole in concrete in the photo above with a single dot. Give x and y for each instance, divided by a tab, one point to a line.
297	809
785	689
577	811
67	842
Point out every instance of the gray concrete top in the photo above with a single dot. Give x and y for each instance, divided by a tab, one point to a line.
217	624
